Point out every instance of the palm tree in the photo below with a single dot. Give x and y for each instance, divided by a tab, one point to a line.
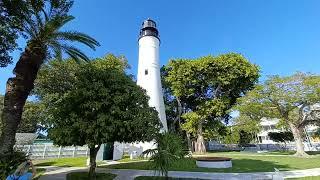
41	28
170	148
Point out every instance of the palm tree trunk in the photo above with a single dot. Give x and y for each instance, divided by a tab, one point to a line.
17	90
298	140
93	156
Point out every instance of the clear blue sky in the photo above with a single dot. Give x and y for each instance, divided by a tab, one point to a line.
280	36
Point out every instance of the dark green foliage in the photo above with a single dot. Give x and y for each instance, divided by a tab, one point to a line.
281	136
32	116
170	102
215	130
104	106
245	138
12	17
9	162
170	148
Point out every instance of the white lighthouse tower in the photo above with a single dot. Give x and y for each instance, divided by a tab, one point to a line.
149	69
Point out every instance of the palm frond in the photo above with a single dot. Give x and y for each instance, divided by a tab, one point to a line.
149	152
53	25
74	53
45	14
57	50
77	37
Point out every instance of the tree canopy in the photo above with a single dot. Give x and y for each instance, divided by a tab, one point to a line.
293	100
104	106
95	103
208	86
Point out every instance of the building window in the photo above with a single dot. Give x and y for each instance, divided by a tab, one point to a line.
146	72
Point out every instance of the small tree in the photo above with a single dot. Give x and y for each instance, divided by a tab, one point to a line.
105	105
169	149
282	137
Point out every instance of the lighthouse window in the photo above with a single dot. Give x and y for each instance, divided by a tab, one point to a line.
146	72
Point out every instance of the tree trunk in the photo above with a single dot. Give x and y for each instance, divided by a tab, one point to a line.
92	169
298	140
189	142
17	90
200	148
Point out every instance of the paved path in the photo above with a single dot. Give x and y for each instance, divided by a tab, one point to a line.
55	173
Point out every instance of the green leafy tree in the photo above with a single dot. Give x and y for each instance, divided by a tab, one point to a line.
97	103
231	137
32	117
291	99
172	104
40	26
57	77
215	130
170	148
282	137
244	130
208	87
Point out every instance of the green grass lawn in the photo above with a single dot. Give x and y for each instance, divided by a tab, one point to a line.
62	162
242	162
306	178
126	158
84	176
265	153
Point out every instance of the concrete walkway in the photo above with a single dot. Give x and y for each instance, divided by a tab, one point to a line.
53	173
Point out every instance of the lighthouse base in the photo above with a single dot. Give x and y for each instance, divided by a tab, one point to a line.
134	150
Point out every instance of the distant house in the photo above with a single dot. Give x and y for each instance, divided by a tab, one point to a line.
270	125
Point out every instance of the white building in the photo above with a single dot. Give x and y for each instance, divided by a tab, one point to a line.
267	125
148	77
270	125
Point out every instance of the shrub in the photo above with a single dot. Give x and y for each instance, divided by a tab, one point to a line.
170	147
10	161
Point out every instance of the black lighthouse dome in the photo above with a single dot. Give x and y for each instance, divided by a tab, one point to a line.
149	28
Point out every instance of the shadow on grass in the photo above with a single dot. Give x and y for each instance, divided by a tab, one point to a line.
51	163
239	165
313	152
84	176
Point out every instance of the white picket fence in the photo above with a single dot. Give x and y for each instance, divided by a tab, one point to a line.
45	151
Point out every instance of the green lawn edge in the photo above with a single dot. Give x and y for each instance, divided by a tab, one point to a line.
84	176
241	163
